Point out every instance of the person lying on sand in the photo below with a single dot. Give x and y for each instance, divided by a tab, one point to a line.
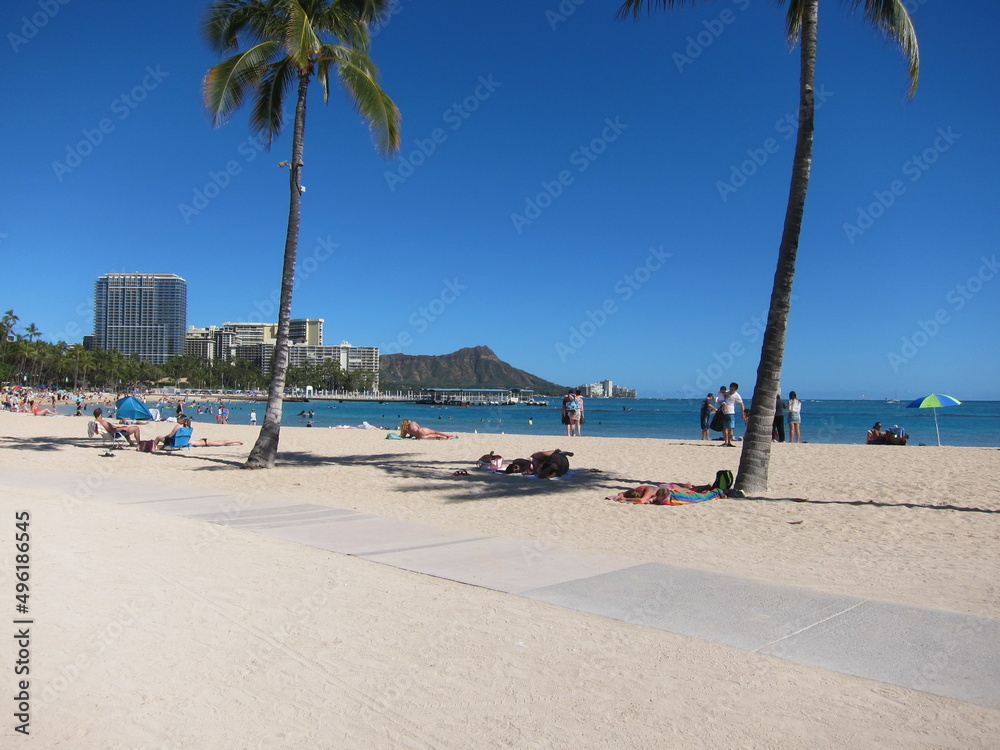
42	412
197	443
544	464
656	493
414	430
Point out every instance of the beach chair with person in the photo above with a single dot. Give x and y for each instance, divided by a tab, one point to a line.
179	438
109	440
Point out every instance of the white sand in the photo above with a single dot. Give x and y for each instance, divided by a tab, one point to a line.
147	637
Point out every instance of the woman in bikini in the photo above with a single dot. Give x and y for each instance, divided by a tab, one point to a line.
414	430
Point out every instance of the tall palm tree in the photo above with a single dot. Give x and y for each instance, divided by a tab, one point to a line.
293	41
32	332
7	323
889	17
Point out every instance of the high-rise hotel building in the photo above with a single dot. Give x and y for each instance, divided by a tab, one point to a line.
141	313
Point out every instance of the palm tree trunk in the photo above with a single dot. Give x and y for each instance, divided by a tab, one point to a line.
752	476
265	450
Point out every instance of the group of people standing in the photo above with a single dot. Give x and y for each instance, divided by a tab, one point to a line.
723	409
572	413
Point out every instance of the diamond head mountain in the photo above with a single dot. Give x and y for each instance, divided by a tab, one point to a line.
472	367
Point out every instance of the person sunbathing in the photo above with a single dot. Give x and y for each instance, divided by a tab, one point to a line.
544	464
199	443
128	430
42	412
656	494
408	428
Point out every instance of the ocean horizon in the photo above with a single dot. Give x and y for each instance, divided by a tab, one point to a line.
972	424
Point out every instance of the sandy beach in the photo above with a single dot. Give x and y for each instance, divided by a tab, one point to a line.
149	637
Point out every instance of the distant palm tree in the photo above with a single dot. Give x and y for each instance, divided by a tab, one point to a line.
286	45
7	323
889	17
32	332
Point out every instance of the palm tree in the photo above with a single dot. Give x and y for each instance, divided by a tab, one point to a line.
7	323
32	332
890	17
286	45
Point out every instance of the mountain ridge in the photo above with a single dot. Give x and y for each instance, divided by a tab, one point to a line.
469	367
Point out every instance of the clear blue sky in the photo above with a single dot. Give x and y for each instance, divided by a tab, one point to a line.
635	128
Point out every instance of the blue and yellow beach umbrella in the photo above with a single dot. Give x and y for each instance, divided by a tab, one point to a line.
934	401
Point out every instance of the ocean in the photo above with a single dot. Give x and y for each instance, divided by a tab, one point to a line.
974	423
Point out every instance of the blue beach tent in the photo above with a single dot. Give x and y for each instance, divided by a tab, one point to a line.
131	408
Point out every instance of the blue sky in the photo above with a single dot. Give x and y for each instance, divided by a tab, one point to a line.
590	198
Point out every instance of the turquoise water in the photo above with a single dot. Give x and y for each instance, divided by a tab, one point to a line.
974	423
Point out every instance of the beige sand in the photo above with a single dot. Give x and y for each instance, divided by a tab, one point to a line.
148	637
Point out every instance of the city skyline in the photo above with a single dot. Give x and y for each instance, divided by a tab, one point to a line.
578	214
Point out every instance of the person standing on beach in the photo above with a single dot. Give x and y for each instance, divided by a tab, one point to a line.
794	417
708	408
253	418
778	426
579	413
569	401
729	413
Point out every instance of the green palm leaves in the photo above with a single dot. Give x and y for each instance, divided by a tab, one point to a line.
890	17
291	39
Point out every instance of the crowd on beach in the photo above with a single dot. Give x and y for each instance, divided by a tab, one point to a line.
718	413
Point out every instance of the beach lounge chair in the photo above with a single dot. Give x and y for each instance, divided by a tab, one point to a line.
180	439
117	440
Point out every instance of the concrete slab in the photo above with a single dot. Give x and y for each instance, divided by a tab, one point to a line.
508	565
275	515
934	651
364	535
711	606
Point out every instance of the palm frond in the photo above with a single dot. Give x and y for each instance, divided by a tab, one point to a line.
226	84
359	75
300	37
369	12
227	20
267	116
633	8
793	20
344	25
891	18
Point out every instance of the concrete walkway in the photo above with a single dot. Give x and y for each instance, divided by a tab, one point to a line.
934	651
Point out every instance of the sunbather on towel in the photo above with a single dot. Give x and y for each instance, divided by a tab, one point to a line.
657	494
128	430
412	429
